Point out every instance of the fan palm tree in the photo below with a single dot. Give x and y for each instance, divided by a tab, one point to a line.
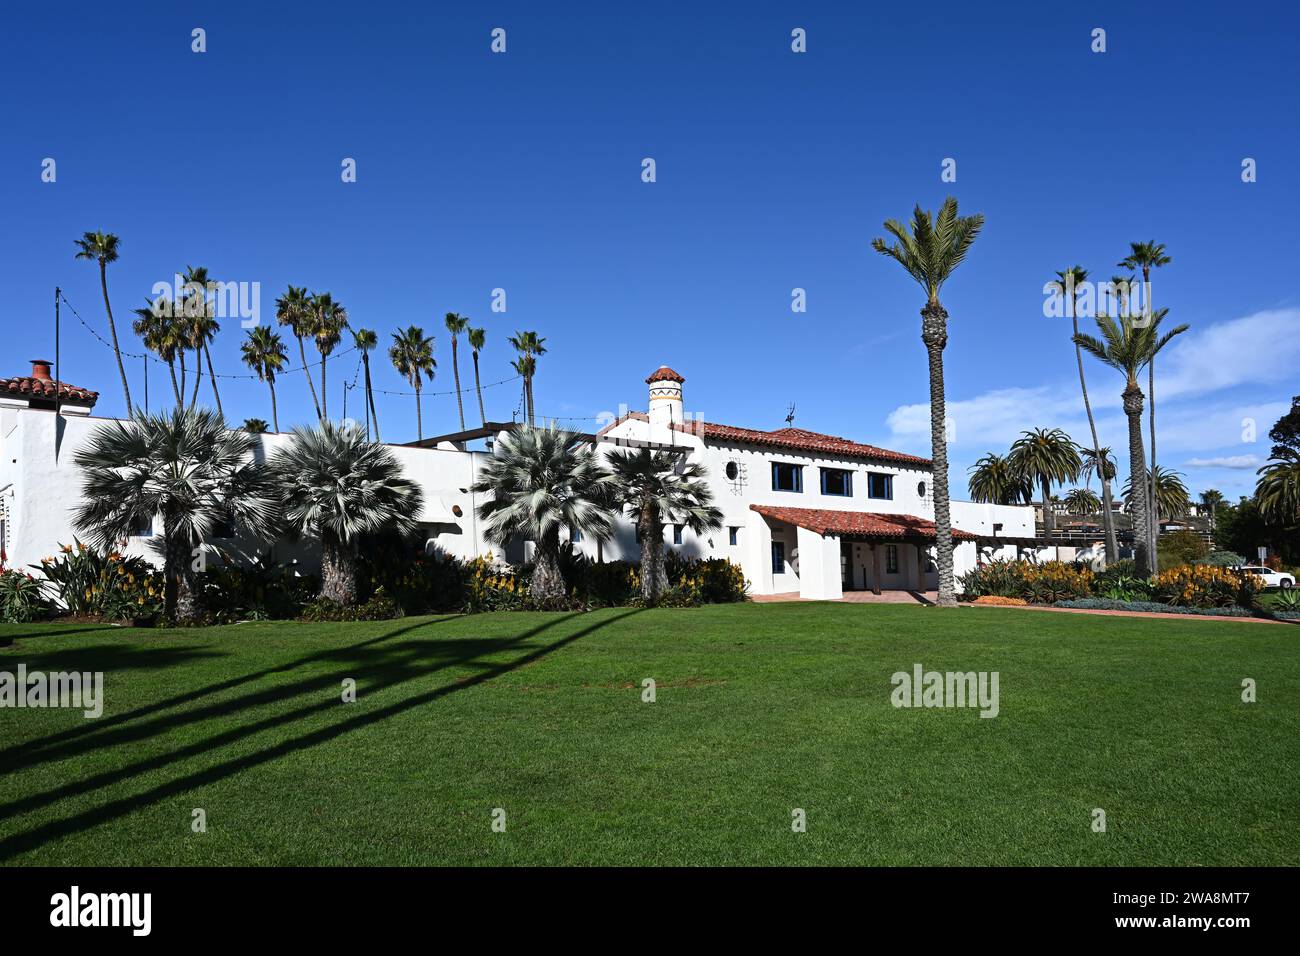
529	346
1127	346
1082	501
1146	256
653	489
185	466
159	332
1097	461
202	316
412	355
293	310
993	481
1068	284
365	341
541	480
256	426
335	487
329	320
929	251
1210	500
102	247
1278	489
1047	457
477	339
1172	499
456	324
264	354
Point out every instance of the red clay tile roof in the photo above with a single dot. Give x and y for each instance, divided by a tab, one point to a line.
25	386
664	374
795	439
859	524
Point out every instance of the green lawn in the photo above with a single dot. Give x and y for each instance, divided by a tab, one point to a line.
761	709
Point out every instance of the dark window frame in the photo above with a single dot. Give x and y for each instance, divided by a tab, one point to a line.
872	476
795	469
891	559
778	557
848	482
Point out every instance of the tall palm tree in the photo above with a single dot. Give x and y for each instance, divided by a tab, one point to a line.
329	320
929	251
1210	500
477	339
335	487
1082	501
1069	283
412	355
542	480
366	340
158	331
1127	346
1172	499
529	346
264	354
1278	489
456	324
102	247
1097	461
293	309
185	466
994	481
1146	256
652	487
203	323
1047	456
256	426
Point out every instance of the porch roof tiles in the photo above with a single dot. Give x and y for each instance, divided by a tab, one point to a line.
857	524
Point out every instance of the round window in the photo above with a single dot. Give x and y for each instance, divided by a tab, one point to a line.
732	471
920	488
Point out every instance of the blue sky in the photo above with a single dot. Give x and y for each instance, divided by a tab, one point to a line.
774	171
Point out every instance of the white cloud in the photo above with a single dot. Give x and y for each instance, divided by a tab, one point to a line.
1258	349
1226	461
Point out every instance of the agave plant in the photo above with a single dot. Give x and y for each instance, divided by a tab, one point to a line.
335	487
186	467
540	481
650	485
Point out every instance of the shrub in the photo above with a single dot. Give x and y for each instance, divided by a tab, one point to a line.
1105	604
1055	581
380	607
419	583
1205	585
1223	559
22	597
711	580
1180	547
1287	600
997	578
109	585
489	588
1120	582
263	591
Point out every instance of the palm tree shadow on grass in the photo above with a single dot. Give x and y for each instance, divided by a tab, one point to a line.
102	724
24	842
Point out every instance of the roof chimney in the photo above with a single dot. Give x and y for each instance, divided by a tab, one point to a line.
41	369
665	397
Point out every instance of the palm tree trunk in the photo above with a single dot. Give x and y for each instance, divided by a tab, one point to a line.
934	333
1049	519
275	415
1137	471
198	377
178	590
547	588
212	376
324	395
302	352
455	370
654	577
1153	511
112	330
176	389
338	572
370	394
1108	519
419	416
528	391
180	399
479	388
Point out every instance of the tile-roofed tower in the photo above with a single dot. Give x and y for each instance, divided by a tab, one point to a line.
665	397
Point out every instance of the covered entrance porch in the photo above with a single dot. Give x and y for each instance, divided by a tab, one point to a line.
839	553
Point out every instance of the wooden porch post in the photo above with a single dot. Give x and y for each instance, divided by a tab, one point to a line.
875	567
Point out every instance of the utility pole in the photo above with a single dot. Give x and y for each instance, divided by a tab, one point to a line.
58	382
145	361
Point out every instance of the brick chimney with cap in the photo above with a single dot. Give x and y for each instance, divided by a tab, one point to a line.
665	396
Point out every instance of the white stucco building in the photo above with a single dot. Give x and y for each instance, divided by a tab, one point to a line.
803	512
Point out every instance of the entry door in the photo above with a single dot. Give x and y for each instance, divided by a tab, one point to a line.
846	566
